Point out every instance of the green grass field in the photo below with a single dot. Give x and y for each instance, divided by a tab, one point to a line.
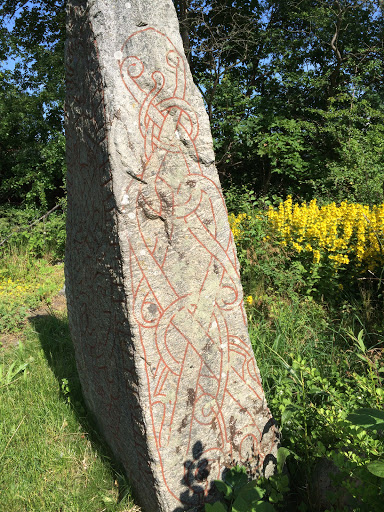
51	457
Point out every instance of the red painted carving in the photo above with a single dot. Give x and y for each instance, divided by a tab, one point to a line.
185	282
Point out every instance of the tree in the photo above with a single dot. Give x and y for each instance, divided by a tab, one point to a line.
31	103
294	91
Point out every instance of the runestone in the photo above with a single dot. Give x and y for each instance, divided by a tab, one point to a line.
154	296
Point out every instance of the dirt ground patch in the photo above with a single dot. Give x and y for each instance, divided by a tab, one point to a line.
58	304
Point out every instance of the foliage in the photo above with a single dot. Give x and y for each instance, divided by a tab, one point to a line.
265	265
294	93
325	249
371	419
31	103
32	151
239	494
321	355
311	404
8	377
24	283
37	233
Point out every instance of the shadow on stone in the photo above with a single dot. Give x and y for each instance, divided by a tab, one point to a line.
57	345
196	472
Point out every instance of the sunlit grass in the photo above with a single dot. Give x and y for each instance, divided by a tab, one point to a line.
50	454
24	283
51	457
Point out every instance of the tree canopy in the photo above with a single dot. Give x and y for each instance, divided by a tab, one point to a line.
31	103
294	91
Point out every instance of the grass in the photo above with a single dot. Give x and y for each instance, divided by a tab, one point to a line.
51	456
25	282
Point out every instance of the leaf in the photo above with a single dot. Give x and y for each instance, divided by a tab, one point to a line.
282	483
368	418
376	468
287	413
241	505
107	500
11	373
252	491
236	477
264	506
282	454
223	488
360	341
9	376
248	497
216	507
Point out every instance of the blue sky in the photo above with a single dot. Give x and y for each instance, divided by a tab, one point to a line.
9	24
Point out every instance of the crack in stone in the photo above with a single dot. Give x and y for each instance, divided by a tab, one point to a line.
134	176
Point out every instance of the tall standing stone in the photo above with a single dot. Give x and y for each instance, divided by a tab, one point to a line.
154	296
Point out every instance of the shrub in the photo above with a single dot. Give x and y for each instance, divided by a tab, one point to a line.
351	233
321	250
39	236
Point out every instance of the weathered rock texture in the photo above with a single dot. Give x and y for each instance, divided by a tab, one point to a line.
154	295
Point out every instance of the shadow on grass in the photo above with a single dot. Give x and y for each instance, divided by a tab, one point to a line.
55	340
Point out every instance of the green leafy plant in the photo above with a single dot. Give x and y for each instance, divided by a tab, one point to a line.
8	377
315	414
372	420
65	389
241	495
39	232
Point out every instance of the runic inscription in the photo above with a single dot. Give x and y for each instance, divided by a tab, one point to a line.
188	377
